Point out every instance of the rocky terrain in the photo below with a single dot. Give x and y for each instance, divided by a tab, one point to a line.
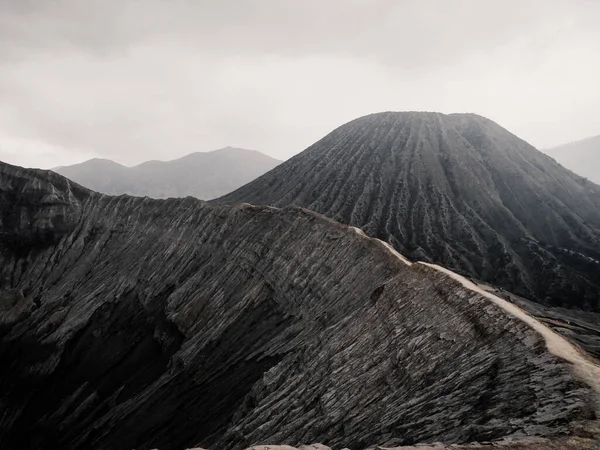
582	157
529	444
203	175
457	190
137	323
580	327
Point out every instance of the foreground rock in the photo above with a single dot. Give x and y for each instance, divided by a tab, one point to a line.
523	444
139	323
457	190
527	444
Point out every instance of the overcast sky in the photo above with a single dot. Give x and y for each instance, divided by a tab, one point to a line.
157	79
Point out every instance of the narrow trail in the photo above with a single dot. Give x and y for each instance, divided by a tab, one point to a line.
385	244
583	366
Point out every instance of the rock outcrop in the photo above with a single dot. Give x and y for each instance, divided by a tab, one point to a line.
457	190
527	444
137	323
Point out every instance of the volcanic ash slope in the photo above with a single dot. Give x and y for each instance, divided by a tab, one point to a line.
138	323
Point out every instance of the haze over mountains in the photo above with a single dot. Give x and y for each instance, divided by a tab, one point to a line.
130	322
204	175
582	157
458	190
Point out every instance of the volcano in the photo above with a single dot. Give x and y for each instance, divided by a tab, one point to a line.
457	190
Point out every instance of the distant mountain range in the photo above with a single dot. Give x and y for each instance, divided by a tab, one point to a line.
204	175
582	157
458	190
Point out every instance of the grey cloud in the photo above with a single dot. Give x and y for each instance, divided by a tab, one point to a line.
398	32
134	80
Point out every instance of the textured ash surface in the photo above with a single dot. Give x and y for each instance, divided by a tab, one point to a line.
580	327
138	323
457	190
203	175
528	444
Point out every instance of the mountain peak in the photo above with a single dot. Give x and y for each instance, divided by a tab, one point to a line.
92	162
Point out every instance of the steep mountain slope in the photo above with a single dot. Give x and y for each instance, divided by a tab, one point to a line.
458	190
202	175
582	157
129	322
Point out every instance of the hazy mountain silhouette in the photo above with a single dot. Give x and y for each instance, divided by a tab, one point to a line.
204	175
582	157
458	190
